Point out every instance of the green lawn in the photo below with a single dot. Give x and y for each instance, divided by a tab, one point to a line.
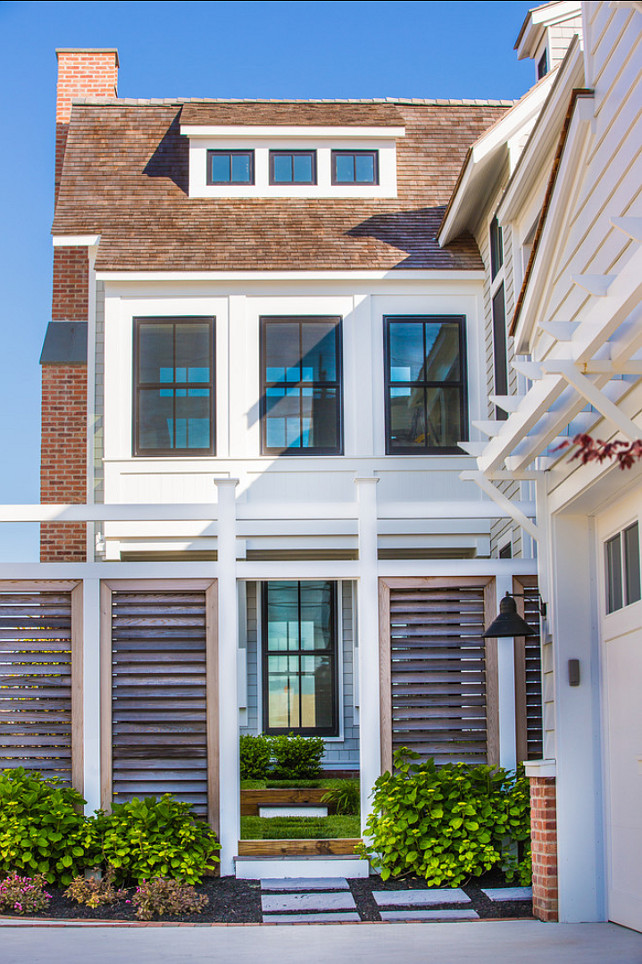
299	828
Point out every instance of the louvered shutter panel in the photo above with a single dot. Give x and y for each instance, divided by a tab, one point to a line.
159	696
438	673
35	682
533	672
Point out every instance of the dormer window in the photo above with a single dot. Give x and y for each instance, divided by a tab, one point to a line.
293	167
230	167
542	65
355	167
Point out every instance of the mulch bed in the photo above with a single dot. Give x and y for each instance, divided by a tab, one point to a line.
234	901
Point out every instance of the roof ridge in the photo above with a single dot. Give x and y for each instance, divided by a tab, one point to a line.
391	101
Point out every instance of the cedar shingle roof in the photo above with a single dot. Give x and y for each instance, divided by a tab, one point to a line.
125	177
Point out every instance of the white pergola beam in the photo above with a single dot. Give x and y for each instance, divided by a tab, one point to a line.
560	330
595	284
618	309
630	226
510	508
595	396
508	403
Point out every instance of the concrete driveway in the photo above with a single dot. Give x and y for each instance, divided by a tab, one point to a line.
483	942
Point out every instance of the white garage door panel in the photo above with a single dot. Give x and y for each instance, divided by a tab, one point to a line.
623	665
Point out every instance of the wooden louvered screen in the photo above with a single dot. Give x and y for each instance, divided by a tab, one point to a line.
528	671
442	677
36	681
158	701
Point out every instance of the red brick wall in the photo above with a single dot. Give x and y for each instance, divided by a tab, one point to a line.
70	301
63	464
544	847
63	474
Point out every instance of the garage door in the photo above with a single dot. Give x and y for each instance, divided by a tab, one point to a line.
621	625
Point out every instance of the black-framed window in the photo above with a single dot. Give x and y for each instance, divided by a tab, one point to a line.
293	167
425	383
355	167
500	358
230	167
622	563
496	247
174	386
300	684
542	65
301	398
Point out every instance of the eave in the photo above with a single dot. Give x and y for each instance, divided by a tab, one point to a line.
485	160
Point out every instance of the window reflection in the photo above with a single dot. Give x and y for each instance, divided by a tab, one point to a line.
425	384
301	385
299	642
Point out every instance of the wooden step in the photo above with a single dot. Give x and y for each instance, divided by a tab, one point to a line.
298	848
251	800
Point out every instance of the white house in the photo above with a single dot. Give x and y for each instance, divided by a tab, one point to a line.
278	333
570	216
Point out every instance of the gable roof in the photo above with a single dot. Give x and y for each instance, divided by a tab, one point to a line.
125	178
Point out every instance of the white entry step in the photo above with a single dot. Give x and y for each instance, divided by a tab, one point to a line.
260	868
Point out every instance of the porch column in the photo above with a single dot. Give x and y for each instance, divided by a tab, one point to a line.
229	793
368	635
506	684
91	693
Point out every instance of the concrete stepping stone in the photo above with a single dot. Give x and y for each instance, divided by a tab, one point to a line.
508	893
304	883
292	903
420	898
409	915
340	918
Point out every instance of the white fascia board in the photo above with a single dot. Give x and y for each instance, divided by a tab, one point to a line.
545	133
481	165
225	276
75	240
253	133
539	19
569	169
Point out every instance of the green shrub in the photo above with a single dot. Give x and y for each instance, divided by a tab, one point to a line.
160	897
344	796
296	756
447	823
42	828
95	893
148	838
254	753
23	895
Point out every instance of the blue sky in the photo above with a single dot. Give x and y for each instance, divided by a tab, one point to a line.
201	49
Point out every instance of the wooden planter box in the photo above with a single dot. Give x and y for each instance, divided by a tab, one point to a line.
298	848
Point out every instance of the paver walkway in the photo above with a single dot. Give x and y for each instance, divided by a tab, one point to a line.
307	901
318	900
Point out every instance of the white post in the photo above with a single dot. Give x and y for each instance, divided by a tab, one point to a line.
506	686
229	791
368	629
91	693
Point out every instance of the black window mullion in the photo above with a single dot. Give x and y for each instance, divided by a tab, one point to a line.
174	386
300	326
299	648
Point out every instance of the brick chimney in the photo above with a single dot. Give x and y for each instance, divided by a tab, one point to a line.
63	464
81	73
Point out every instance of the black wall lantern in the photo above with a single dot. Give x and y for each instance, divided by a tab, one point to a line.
509	622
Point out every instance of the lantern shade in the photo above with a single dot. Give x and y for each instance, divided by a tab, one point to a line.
509	622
